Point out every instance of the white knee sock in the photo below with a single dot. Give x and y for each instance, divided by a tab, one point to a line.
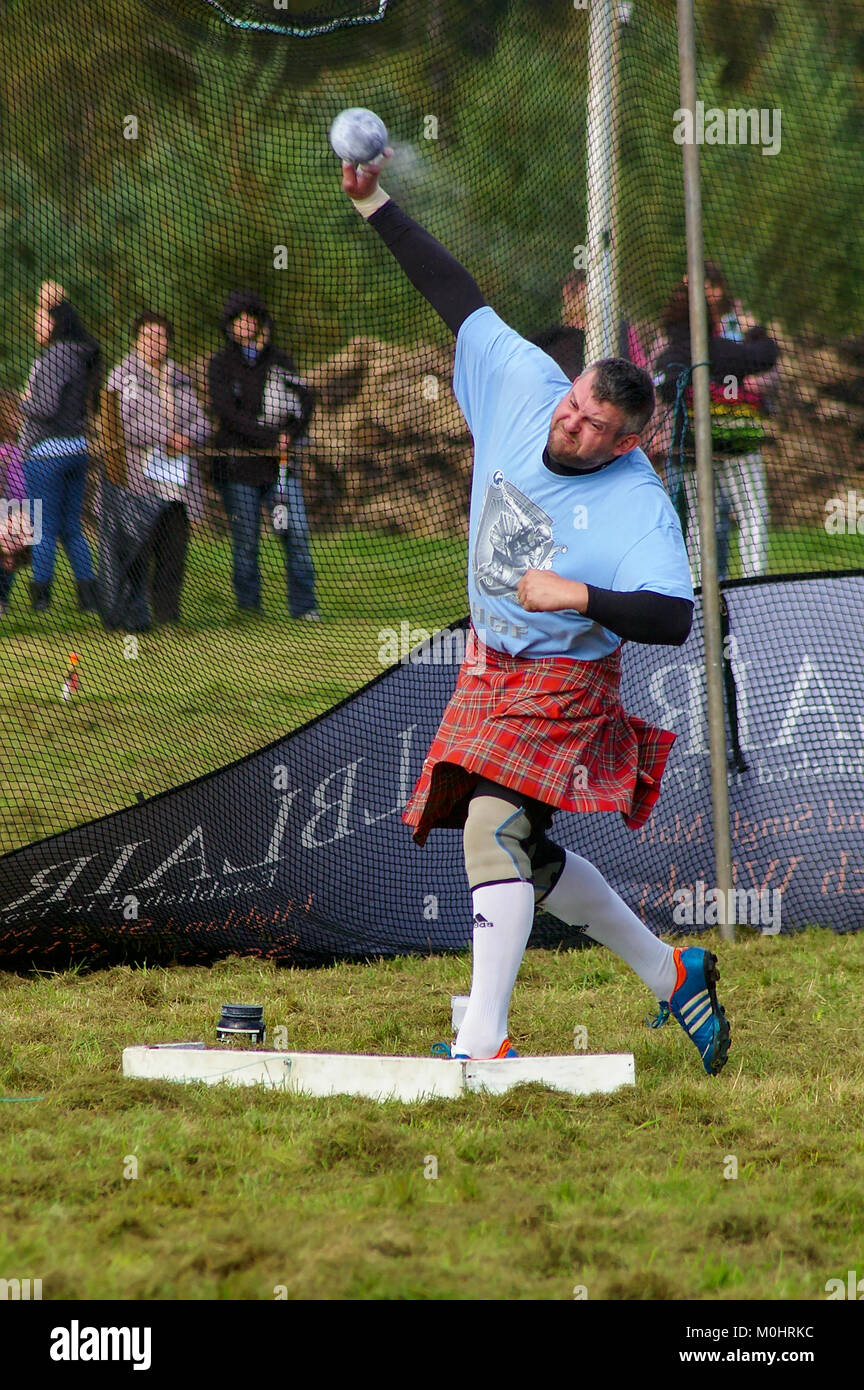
583	897
508	910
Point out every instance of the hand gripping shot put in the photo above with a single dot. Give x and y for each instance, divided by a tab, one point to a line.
574	549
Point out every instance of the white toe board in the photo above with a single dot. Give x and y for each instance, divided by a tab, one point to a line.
580	1074
378	1078
312	1073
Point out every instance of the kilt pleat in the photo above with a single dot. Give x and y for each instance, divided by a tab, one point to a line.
550	727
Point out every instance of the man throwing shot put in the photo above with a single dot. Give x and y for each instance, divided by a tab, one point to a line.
574	548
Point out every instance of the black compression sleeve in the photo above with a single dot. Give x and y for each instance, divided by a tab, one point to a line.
452	292
642	616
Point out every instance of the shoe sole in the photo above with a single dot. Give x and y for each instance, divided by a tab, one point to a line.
723	1040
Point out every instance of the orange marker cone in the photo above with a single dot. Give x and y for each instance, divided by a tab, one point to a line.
70	685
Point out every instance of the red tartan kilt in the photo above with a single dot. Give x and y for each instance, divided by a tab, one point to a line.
550	727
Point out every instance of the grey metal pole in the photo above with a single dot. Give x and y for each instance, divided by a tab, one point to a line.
601	299
704	467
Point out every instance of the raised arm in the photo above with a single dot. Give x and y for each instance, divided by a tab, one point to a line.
449	288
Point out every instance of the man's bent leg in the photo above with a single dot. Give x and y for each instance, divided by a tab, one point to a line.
582	897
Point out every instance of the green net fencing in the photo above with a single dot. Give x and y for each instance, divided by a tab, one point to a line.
186	603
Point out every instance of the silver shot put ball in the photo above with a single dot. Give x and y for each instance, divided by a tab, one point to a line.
358	135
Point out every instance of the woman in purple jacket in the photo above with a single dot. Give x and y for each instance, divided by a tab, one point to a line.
13	554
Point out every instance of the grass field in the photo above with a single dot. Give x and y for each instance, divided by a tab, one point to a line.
240	1191
199	696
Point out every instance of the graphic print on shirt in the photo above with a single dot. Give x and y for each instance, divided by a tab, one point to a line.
513	535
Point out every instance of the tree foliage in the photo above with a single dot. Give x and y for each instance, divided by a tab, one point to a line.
485	101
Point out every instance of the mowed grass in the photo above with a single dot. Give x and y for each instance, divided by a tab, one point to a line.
201	695
218	687
243	1192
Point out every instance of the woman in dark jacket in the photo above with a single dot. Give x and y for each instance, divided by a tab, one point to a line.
262	407
63	386
737	431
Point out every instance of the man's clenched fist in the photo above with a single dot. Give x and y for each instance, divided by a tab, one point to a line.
543	591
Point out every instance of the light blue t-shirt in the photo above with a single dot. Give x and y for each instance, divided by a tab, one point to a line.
615	528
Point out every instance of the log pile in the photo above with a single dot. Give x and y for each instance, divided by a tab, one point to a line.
388	447
818	449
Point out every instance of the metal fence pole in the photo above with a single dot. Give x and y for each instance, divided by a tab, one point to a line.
704	467
601	299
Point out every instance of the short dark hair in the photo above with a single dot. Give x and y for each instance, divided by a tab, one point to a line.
152	316
626	386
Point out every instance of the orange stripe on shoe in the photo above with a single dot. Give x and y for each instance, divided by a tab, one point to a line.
680	968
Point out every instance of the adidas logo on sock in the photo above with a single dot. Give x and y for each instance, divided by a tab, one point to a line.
481	921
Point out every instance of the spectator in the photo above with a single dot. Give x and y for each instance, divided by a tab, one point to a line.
163	423
565	342
733	321
63	385
729	319
728	316
14	549
574	315
262	406
737	428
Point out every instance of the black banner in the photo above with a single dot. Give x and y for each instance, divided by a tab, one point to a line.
299	852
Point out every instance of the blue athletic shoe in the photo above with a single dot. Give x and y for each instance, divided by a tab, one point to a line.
693	1002
443	1049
